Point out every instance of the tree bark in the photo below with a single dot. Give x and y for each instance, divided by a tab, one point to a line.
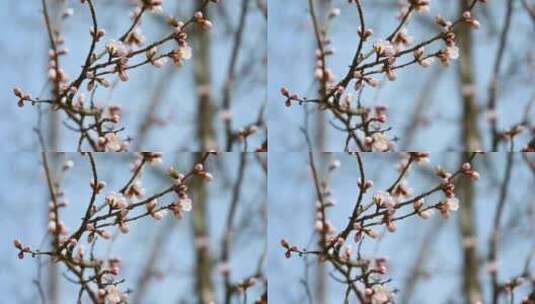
470	141
206	139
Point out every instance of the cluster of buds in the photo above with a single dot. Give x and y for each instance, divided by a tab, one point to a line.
153	5
447	184
121	221
121	67
93	79
200	171
321	72
22	250
79	255
469	18
114	266
450	204
419	209
97	34
55	73
289	97
345	252
153	158
55	225
92	233
153	211
384	200
134	37
445	25
388	219
402	190
361	80
388	69
324	226
361	231
364	34
421	59
202	21
364	185
380	114
21	96
116	201
289	249
468	171
134	190
419	157
183	203
113	114
384	48
450	52
421	6
157	61
117	49
402	39
180	54
78	103
380	265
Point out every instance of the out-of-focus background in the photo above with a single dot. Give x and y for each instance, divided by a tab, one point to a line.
165	98
425	257
425	105
159	258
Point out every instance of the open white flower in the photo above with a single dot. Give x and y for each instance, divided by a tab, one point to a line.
380	295
453	52
453	203
185	52
379	142
185	204
114	295
113	143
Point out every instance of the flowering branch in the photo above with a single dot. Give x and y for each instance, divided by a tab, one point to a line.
364	277
96	125
363	125
98	278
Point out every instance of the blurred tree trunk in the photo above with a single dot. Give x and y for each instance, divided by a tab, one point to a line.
201	70
470	134
205	136
203	266
52	271
470	142
320	290
51	144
